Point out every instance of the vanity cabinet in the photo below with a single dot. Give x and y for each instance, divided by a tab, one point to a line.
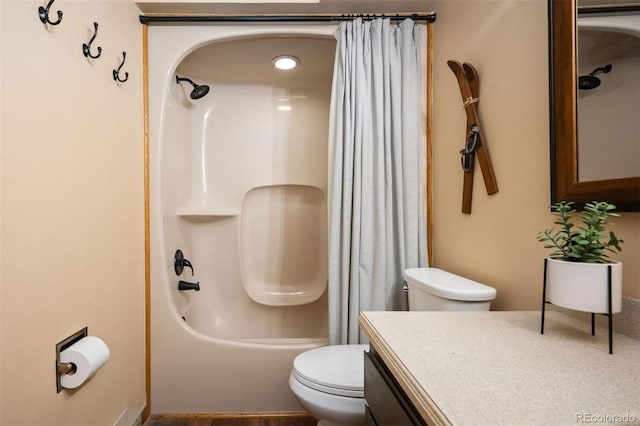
386	402
485	368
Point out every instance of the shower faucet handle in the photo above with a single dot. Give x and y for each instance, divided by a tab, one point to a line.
179	263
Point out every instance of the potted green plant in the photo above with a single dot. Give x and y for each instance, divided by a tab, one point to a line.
578	267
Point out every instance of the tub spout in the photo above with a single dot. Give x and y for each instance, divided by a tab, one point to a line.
183	285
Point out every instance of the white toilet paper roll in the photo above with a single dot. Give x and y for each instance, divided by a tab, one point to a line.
88	354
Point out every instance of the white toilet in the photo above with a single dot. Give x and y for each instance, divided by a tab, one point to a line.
329	381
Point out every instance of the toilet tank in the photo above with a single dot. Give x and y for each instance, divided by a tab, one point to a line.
432	289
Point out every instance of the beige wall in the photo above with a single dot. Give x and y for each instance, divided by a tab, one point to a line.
507	42
72	235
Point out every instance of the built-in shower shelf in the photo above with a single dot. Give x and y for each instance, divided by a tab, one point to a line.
207	212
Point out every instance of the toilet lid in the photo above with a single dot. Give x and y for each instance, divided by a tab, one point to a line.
337	370
447	285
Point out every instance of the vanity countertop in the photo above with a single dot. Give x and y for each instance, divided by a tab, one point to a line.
492	368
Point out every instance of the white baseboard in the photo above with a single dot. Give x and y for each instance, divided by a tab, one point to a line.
130	417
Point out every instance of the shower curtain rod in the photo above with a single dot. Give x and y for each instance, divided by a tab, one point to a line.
150	19
585	10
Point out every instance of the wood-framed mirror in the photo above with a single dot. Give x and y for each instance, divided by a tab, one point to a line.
624	192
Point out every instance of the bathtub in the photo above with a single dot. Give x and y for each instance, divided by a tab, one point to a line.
238	184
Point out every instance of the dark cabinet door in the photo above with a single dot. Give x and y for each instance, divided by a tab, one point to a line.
387	403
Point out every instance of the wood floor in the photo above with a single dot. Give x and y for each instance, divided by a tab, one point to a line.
284	419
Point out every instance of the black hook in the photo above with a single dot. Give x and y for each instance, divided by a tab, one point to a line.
116	73
43	13
86	48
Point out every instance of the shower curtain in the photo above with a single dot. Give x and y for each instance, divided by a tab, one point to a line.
377	190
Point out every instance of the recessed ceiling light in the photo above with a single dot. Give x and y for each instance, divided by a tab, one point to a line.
285	62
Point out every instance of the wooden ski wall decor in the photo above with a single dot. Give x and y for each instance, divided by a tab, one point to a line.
475	143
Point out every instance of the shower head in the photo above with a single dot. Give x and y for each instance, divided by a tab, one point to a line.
199	90
588	82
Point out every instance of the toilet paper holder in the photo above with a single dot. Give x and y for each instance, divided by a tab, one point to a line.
63	368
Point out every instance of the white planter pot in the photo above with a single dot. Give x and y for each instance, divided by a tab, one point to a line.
583	286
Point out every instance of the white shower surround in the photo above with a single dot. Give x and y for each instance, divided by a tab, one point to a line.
192	371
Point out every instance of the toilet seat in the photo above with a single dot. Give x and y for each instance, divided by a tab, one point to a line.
336	370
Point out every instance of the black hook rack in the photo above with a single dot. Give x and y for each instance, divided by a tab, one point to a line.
86	48
116	72
43	13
